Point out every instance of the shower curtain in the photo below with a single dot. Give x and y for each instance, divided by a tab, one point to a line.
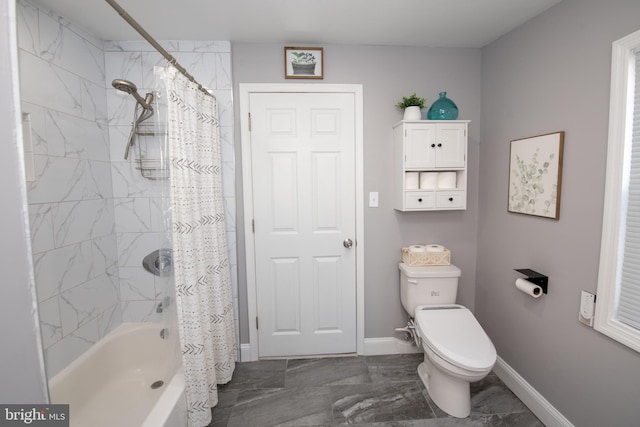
201	265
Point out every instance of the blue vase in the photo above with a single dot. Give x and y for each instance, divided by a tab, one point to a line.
443	109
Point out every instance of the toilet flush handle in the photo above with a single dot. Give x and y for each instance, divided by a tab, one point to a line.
412	281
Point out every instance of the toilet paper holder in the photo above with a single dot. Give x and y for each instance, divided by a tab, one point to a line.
535	278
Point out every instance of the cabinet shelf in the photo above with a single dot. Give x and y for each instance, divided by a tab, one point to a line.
430	165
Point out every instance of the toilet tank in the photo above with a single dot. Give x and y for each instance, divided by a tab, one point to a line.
428	285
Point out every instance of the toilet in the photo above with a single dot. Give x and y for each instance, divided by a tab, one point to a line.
457	351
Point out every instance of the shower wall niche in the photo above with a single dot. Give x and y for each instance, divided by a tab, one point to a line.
93	216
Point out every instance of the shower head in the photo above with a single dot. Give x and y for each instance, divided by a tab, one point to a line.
124	85
129	88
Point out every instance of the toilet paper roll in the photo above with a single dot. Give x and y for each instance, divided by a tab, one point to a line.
435	248
447	180
529	288
428	180
417	248
411	180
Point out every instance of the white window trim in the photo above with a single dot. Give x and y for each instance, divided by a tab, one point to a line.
618	158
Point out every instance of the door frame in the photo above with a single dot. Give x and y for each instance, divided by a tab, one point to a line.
245	90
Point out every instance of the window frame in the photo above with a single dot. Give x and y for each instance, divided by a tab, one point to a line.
615	201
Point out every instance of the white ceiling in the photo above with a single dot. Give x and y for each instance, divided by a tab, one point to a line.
442	23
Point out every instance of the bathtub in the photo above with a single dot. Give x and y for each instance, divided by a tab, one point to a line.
111	384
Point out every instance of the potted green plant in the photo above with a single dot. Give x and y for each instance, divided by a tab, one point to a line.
411	106
303	63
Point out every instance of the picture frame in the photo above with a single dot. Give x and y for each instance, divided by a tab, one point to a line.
303	62
535	175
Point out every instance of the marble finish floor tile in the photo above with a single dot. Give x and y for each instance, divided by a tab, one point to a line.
379	403
394	367
327	371
370	391
262	374
227	398
491	396
309	406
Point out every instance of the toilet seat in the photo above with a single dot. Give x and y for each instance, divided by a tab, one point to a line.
454	334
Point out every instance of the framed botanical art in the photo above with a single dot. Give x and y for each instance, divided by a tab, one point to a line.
303	62
535	175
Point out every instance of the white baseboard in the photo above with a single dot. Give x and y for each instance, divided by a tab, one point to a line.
245	353
542	409
388	345
372	347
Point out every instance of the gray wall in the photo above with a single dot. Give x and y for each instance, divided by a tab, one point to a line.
387	74
21	363
553	74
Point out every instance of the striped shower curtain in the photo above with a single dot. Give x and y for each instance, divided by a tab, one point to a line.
201	264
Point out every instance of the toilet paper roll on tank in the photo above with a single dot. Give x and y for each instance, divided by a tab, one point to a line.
423	255
426	248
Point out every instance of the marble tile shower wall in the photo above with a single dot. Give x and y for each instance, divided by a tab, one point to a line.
140	223
72	217
93	217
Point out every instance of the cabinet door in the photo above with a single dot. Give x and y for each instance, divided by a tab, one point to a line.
450	143
419	152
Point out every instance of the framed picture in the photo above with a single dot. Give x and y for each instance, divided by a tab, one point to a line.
303	62
535	175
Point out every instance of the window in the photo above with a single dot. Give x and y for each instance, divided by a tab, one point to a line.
618	308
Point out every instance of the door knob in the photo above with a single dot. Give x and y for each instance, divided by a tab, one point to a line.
347	243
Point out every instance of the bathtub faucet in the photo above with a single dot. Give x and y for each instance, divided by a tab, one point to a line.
166	302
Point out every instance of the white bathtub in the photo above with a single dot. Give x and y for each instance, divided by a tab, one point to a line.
110	384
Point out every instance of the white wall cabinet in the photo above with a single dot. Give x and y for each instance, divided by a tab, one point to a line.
430	165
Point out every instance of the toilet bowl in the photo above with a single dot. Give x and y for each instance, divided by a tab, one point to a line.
457	351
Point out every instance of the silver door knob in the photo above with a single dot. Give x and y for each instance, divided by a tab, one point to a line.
347	243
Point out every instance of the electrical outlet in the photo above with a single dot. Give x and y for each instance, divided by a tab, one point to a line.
587	306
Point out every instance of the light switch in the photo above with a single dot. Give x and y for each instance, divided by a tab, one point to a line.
373	199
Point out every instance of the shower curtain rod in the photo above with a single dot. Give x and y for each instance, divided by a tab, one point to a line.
123	13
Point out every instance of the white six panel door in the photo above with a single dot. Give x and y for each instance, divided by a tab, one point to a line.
303	148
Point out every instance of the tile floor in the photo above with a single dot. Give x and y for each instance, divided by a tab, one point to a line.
372	391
